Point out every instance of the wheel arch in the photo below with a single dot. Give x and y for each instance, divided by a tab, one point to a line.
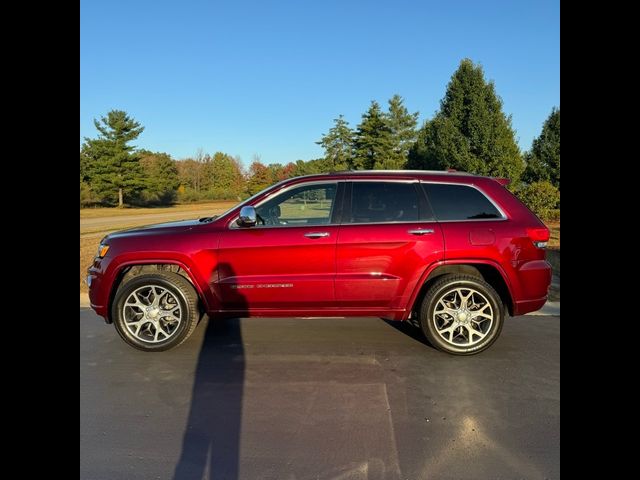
488	271
134	268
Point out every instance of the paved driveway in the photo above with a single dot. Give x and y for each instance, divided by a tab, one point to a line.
345	399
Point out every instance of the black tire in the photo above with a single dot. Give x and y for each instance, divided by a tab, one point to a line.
441	288
182	291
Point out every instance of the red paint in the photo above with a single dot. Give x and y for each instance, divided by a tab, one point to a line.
254	257
379	265
375	269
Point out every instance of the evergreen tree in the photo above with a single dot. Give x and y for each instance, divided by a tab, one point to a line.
223	174
85	164
403	131
338	145
543	161
373	142
115	168
161	177
470	132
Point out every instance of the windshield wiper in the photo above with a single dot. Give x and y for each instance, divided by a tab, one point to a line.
207	219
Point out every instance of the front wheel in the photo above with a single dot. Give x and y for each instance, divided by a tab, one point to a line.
155	312
461	314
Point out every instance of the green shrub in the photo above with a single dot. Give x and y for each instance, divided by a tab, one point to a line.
553	215
147	198
542	198
88	197
188	195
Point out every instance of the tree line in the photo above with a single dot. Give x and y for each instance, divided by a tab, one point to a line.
470	132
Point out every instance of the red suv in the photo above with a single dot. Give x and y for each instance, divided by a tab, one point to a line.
451	250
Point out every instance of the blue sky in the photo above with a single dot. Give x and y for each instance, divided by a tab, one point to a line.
268	77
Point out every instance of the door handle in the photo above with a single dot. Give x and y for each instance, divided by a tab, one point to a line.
421	231
316	234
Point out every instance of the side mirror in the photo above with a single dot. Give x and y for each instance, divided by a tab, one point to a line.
248	217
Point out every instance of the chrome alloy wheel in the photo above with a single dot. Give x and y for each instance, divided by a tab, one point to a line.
152	314
463	316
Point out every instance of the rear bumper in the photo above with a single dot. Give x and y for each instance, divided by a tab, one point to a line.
528	306
535	280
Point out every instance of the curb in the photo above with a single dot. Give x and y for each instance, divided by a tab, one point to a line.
548	309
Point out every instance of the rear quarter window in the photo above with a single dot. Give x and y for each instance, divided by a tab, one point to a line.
459	202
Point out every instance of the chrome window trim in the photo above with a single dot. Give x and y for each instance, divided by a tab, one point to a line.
388	223
470	185
234	226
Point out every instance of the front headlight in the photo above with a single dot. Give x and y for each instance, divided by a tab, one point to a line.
102	250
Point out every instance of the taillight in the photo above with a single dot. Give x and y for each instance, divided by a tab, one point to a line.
539	236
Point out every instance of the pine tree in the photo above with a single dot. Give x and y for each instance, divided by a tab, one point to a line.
543	161
338	145
161	177
403	131
115	167
373	143
470	132
224	175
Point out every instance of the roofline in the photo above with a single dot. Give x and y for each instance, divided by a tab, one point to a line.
409	172
387	172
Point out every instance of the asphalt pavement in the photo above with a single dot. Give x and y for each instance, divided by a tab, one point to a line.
340	398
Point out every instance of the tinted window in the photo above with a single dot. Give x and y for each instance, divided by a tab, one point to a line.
383	202
459	202
307	205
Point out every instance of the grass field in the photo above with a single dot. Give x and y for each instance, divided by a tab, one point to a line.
123	212
95	223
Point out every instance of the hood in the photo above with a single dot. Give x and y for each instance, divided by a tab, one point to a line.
181	226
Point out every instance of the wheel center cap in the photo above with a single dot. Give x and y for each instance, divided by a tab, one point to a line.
462	317
152	312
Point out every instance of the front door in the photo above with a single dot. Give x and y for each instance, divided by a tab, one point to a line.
287	261
387	239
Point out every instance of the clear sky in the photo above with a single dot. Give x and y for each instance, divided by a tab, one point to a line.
268	77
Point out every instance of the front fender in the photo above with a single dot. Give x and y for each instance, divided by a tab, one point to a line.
106	274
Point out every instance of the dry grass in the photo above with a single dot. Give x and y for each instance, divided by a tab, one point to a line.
117	212
88	249
554	241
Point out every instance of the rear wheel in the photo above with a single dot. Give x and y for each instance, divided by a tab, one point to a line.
155	312
462	314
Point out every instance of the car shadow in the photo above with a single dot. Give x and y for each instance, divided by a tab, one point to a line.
211	441
410	330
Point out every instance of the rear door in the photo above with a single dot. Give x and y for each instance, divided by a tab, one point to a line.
387	238
287	262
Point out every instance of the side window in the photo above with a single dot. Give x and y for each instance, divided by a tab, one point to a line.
459	202
305	205
373	202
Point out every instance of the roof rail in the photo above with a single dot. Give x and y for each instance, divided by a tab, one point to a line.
449	171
